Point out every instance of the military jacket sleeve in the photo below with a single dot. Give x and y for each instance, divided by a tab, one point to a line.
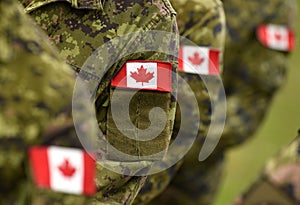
36	88
78	29
253	72
203	24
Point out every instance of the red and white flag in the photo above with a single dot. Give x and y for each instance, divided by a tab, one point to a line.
199	60
63	169
145	75
276	37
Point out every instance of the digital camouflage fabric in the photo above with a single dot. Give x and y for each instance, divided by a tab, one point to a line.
35	98
252	75
279	181
252	72
202	22
77	29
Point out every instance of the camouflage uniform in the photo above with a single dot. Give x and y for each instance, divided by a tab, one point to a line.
248	94
33	83
98	23
247	64
77	29
252	81
203	23
279	182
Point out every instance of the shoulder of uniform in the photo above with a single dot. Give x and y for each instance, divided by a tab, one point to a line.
79	4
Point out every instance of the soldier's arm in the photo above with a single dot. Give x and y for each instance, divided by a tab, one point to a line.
203	24
36	87
253	71
78	28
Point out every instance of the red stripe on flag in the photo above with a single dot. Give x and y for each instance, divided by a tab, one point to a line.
164	79
120	79
213	65
180	59
40	166
262	34
292	40
89	187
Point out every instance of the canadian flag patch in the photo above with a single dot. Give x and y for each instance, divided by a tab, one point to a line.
63	169
199	60
276	37
145	75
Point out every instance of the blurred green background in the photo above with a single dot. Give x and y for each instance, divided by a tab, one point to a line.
245	162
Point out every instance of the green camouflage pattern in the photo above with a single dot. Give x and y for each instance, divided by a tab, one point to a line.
251	82
252	73
38	112
35	98
281	172
248	92
204	24
67	27
193	183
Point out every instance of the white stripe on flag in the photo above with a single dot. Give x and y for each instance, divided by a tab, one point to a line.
195	59
277	37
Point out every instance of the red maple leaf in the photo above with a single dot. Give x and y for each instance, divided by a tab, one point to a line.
142	75
67	169
278	36
196	59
